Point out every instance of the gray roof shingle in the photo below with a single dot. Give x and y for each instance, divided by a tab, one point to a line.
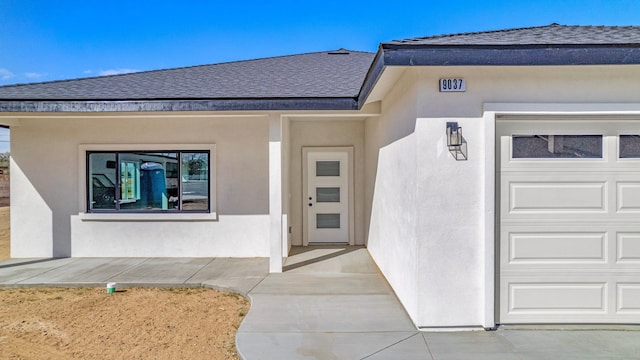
333	74
553	34
334	80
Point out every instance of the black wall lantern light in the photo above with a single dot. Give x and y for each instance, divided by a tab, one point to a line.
455	141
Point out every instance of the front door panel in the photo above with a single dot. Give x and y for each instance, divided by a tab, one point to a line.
327	197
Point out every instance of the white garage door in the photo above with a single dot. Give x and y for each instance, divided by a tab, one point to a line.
569	241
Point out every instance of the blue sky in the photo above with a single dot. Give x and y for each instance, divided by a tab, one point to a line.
45	40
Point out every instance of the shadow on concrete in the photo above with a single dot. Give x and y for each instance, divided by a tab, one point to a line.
29	262
301	250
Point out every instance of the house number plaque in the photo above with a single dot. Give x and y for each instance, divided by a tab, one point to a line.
453	85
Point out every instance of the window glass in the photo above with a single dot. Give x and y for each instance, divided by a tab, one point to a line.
195	181
148	181
102	180
327	168
328	194
328	221
129	181
144	184
629	146
557	146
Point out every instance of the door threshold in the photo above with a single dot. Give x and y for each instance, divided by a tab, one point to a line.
328	244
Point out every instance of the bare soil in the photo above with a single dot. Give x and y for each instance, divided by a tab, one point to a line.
130	324
136	323
4	233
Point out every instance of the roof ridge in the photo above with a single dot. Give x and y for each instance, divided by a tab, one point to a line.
340	50
481	32
555	33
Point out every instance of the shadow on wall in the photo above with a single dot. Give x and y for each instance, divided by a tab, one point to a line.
394	136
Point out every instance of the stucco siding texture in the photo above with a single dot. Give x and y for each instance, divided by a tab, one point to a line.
392	240
47	188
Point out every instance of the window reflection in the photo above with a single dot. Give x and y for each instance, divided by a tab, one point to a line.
195	181
102	180
148	181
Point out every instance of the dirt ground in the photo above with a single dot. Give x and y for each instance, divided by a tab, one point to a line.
130	324
133	323
4	232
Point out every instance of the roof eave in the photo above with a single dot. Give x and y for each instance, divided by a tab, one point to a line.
506	55
263	104
372	77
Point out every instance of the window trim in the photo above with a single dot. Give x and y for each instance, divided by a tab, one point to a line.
86	214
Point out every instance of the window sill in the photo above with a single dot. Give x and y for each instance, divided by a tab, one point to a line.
148	217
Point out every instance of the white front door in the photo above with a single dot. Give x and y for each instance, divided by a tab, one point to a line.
327	196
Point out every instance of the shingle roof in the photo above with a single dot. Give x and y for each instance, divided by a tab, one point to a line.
553	34
333	74
334	80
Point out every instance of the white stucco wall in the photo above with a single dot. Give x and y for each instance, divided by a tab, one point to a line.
391	160
46	188
427	228
325	132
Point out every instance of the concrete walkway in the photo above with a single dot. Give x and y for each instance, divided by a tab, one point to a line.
329	303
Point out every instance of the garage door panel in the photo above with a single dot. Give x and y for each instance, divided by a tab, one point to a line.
628	298
557	297
570	298
628	248
557	197
546	248
591	246
628	197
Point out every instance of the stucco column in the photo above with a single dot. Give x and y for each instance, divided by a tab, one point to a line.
275	194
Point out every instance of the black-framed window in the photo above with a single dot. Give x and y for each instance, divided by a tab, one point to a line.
148	181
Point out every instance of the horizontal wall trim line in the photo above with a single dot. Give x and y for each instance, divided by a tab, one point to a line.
505	56
177	105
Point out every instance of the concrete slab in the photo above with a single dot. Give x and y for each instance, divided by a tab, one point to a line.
484	356
235	274
322	284
596	344
325	313
412	348
237	285
469	344
228	268
86	271
292	346
532	344
15	271
329	259
24	261
162	271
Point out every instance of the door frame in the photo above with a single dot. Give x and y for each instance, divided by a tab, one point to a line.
350	181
